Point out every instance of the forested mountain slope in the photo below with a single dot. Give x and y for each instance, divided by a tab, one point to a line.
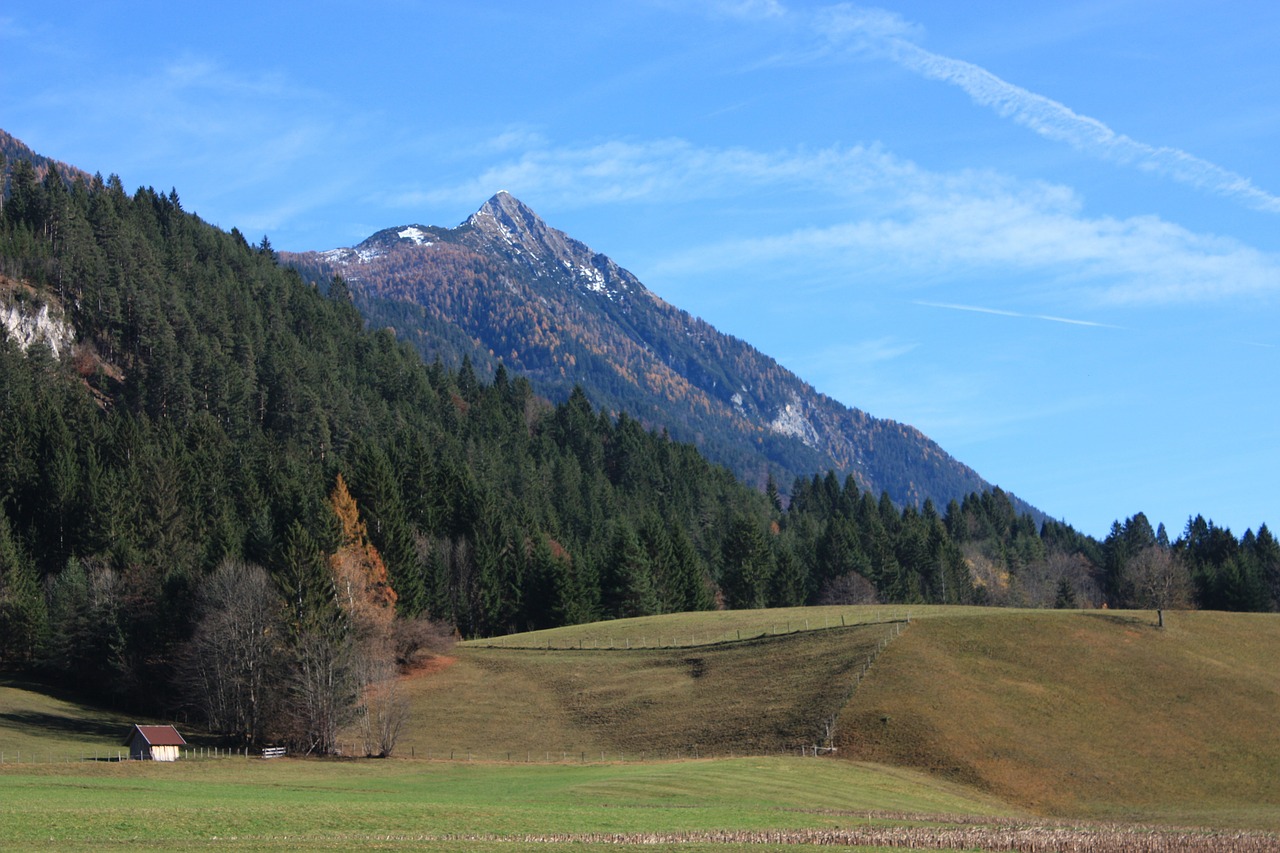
505	286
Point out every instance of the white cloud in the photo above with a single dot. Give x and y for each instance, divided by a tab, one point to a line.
898	216
945	225
881	33
863	27
664	170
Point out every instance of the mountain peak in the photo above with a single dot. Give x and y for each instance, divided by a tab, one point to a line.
511	226
507	217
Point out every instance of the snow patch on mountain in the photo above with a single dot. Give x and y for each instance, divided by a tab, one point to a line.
346	257
594	280
416	234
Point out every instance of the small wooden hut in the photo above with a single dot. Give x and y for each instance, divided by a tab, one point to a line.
154	743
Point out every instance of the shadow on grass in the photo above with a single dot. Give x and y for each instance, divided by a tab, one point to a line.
1127	619
57	724
50	688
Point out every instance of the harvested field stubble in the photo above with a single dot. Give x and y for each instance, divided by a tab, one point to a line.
1027	839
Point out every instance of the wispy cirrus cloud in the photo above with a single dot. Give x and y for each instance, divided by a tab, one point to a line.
660	171
896	215
872	32
1000	312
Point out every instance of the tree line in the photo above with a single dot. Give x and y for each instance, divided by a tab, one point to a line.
234	500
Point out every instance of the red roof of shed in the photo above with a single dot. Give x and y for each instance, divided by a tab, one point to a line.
157	735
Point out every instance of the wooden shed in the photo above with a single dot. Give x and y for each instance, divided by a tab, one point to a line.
154	743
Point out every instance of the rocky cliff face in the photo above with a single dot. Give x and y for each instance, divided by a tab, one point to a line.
27	321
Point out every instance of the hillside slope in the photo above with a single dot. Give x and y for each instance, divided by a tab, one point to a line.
1076	714
1092	713
505	286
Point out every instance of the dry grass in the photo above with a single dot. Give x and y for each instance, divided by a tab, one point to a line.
1096	714
707	627
757	696
1083	713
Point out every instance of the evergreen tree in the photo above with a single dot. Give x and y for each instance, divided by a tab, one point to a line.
1065	598
746	565
23	614
626	583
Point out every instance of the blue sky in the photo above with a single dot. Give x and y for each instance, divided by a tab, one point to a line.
1048	235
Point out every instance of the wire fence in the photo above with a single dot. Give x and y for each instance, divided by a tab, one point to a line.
678	640
18	758
113	754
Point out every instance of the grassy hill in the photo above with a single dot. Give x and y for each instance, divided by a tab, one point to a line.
44	724
38	723
1091	713
1094	713
764	695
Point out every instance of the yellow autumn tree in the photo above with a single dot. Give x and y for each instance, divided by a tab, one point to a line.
360	576
366	596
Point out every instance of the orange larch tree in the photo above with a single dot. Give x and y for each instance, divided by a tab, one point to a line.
364	592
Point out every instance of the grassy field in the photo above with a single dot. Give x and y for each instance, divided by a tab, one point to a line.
43	724
995	715
287	804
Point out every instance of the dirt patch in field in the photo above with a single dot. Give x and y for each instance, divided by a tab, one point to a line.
428	666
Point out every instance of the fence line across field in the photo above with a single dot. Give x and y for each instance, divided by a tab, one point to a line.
192	753
433	754
675	640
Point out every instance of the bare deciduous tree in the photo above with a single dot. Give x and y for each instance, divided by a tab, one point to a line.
383	709
412	637
1042	581
851	588
232	659
323	688
1159	580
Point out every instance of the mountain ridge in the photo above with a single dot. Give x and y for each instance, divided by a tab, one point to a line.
505	286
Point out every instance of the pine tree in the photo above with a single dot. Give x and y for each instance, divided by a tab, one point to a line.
23	613
747	565
626	584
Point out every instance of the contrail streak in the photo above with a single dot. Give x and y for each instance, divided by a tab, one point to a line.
882	32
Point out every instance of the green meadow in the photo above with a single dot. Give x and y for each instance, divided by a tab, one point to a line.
292	803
